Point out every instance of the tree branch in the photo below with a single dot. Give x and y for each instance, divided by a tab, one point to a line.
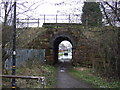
114	9
107	18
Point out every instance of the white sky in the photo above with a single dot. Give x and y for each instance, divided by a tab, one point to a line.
60	7
50	7
53	7
66	43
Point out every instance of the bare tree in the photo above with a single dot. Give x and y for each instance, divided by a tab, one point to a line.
7	6
23	7
74	10
111	11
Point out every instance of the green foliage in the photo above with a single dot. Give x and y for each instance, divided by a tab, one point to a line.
61	54
92	15
97	82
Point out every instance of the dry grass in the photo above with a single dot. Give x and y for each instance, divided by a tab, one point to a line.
81	68
28	35
33	68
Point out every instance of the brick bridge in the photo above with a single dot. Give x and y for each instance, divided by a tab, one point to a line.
92	46
89	43
53	34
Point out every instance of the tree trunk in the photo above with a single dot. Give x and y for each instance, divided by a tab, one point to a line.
118	63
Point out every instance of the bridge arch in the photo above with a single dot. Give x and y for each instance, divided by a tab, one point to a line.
57	39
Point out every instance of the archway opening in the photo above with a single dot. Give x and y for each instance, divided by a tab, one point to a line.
57	43
65	51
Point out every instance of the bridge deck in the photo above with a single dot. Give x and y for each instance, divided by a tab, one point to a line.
60	24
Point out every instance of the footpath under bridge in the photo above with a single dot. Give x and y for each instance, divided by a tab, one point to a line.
87	42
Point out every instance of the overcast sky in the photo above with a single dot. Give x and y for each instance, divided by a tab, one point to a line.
60	7
55	7
66	44
52	7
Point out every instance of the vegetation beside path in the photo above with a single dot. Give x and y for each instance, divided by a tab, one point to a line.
32	68
87	75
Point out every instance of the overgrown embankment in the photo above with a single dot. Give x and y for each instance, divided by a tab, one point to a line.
87	75
24	36
33	68
102	53
96	47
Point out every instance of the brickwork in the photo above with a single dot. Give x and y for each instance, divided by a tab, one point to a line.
90	44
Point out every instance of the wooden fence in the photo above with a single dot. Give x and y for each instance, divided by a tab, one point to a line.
26	77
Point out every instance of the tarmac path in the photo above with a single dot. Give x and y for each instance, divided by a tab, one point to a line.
64	80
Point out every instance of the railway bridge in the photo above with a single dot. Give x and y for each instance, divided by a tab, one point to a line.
96	47
88	43
54	34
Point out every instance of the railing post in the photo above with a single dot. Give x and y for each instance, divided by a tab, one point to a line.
56	18
28	22
76	18
44	18
38	22
43	82
69	18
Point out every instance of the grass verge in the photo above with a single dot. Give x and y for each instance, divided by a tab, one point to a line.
86	75
32	68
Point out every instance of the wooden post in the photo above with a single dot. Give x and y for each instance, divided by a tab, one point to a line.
22	77
26	77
